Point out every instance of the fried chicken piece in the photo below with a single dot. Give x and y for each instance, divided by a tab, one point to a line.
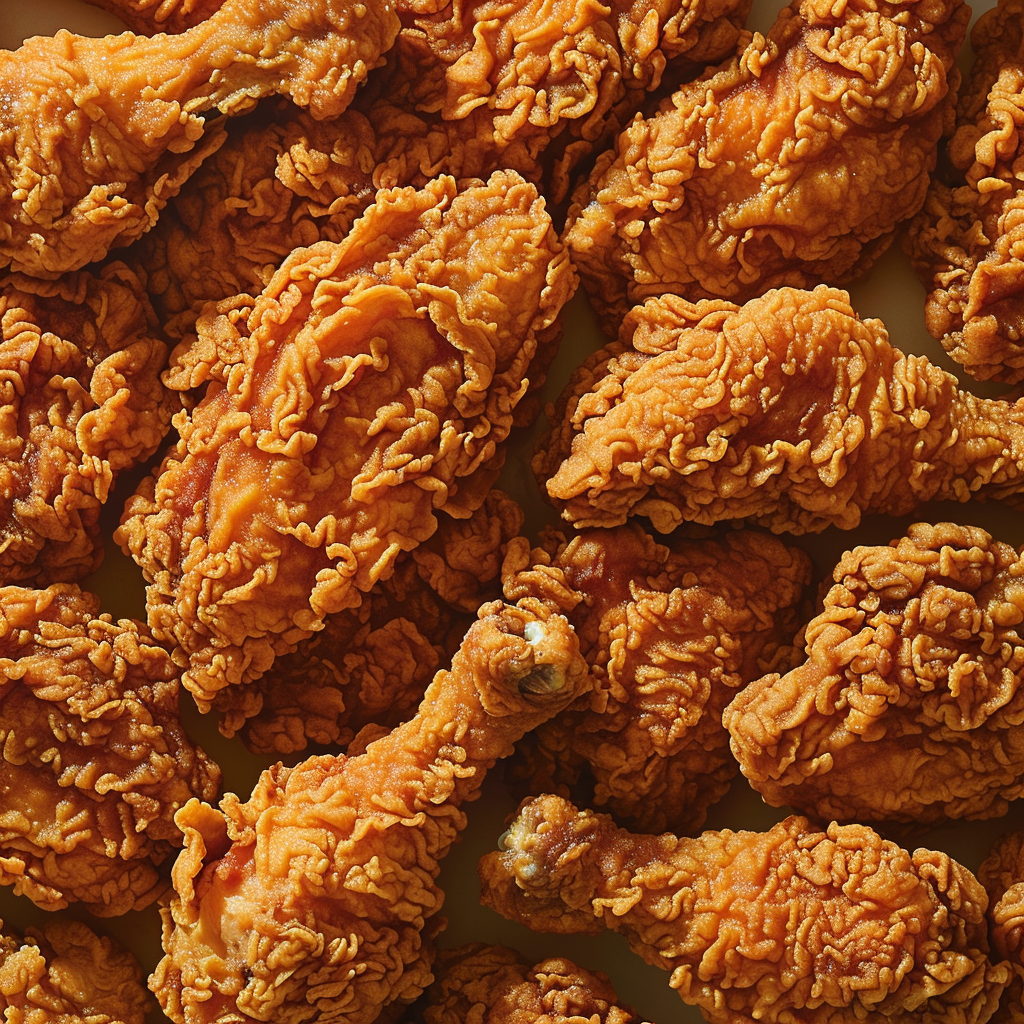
468	88
97	134
1002	874
314	898
967	244
80	402
67	974
789	411
792	164
95	762
371	664
495	985
796	924
670	633
369	386
148	17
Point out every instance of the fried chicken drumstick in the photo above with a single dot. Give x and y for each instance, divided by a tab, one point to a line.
310	900
796	924
913	675
792	164
97	134
789	411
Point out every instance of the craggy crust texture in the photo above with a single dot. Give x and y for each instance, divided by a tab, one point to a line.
670	633
967	244
95	763
80	401
797	924
789	411
1002	874
496	985
66	974
310	901
469	87
909	703
97	134
370	665
367	387
790	165
147	17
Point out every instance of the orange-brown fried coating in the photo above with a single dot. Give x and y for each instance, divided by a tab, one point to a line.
796	924
670	632
316	898
95	762
967	244
908	702
97	134
67	974
80	401
368	387
370	665
791	164
789	411
147	17
1002	874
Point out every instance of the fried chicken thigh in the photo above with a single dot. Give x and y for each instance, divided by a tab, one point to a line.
95	762
97	134
367	387
789	165
670	633
967	244
312	900
913	675
80	402
1002	874
789	411
66	974
796	924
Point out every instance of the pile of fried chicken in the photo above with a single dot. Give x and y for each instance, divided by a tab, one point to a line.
281	288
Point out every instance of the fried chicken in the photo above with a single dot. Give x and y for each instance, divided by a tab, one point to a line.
1002	874
313	900
789	411
369	386
370	665
791	164
66	974
80	402
796	924
967	244
148	17
913	674
97	134
95	762
670	633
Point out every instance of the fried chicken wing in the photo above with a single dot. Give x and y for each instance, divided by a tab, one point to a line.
97	134
789	165
913	674
1002	874
669	632
310	900
67	974
95	762
367	387
967	244
80	401
795	924
789	411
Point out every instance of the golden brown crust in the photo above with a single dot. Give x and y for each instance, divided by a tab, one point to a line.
1002	874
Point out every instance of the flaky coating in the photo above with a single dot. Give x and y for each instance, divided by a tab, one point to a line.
80	402
796	924
967	244
669	632
148	17
67	974
791	164
367	387
370	665
97	134
789	412
313	899
1002	874
908	702
95	762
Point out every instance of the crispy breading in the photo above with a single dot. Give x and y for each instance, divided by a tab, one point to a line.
1002	874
